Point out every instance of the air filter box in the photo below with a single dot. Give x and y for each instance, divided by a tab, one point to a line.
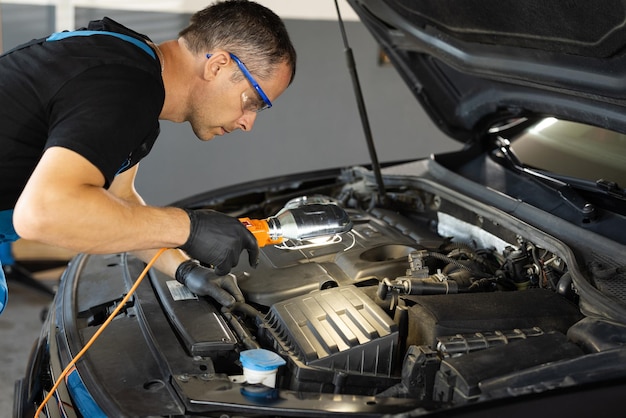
337	339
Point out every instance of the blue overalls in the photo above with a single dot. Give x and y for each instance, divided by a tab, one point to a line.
7	232
7	235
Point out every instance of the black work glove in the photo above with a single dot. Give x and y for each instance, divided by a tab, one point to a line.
217	239
204	282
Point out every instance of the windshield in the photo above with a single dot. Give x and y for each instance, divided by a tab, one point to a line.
573	149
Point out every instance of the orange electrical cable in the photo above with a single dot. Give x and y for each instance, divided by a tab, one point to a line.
71	364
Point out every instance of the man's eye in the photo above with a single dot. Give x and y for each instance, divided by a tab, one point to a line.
250	104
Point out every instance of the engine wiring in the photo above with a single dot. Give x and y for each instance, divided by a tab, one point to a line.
335	239
93	339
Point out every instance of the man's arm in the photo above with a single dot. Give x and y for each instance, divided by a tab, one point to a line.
64	204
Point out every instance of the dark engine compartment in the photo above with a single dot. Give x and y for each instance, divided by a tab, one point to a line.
429	302
345	314
412	304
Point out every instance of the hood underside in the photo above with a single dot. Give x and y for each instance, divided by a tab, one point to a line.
472	64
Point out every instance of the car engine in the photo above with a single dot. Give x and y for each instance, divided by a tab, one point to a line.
430	300
424	299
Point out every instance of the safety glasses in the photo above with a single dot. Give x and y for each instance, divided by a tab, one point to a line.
262	102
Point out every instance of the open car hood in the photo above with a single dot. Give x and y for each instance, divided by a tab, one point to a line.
472	64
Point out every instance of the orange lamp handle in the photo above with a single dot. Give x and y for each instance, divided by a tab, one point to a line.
261	231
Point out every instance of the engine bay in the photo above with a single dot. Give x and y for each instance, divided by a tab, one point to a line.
427	301
431	300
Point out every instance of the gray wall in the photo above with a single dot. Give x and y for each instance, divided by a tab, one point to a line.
313	125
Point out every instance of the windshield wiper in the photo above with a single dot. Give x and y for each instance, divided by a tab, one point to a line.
564	189
601	186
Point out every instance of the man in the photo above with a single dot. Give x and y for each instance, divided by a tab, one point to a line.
78	110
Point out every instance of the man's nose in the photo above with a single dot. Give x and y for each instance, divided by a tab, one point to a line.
246	122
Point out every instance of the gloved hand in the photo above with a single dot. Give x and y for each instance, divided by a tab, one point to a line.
204	282
217	239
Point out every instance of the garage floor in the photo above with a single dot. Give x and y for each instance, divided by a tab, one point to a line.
20	323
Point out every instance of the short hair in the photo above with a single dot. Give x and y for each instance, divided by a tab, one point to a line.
255	34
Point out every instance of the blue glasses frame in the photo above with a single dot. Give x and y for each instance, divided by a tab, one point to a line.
266	101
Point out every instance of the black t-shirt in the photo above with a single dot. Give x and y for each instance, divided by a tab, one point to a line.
99	96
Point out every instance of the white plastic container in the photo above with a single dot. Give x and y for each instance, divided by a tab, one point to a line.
261	366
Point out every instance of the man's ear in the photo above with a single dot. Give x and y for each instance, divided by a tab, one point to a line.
216	62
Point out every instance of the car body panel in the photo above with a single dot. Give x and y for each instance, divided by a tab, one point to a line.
474	63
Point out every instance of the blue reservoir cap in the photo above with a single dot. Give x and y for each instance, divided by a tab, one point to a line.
260	359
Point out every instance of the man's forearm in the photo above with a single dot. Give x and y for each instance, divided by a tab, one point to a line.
65	204
101	224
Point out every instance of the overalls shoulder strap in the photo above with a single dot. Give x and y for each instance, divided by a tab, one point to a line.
141	44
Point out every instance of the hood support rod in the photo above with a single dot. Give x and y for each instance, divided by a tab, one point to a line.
362	111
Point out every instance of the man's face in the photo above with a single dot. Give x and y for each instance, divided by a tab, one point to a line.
223	106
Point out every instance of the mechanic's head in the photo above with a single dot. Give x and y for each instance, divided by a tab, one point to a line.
250	31
247	60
